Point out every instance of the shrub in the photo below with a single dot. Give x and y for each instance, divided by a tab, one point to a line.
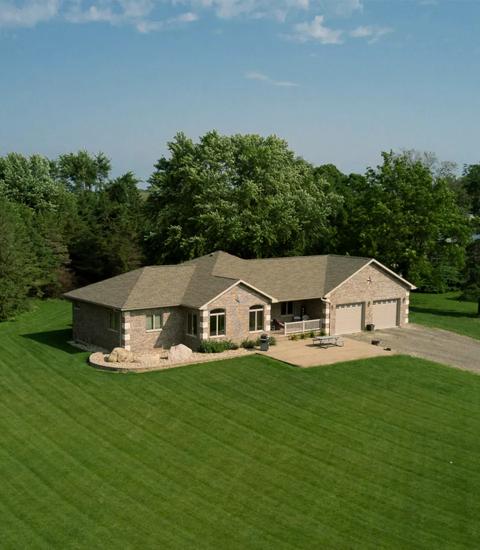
312	334
272	340
248	344
216	346
294	337
303	336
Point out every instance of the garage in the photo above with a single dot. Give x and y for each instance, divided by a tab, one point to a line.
385	313
348	318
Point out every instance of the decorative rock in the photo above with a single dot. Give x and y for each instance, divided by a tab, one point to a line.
180	353
120	355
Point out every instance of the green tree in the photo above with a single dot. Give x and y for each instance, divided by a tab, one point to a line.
109	233
82	171
245	194
17	260
29	181
407	217
471	183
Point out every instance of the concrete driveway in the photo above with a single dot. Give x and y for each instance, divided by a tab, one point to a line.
429	343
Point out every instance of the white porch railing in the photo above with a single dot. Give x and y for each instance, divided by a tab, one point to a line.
302	326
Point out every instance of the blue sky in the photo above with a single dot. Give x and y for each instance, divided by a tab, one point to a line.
340	80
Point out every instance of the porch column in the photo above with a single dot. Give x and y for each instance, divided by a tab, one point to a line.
126	330
204	324
268	317
326	318
407	307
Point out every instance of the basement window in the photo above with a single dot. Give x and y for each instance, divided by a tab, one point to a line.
154	321
192	324
114	321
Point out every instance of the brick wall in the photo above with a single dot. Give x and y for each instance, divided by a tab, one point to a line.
371	283
172	333
237	303
91	326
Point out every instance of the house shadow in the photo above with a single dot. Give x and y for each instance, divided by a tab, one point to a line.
56	339
444	313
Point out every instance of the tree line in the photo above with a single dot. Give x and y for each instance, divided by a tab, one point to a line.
66	222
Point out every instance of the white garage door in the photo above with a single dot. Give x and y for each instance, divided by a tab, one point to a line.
348	318
385	313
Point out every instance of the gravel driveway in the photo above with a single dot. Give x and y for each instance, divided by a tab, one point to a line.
430	343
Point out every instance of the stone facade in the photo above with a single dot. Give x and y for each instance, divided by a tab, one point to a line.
236	303
91	326
369	284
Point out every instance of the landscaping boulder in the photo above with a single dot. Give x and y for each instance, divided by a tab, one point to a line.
120	355
179	354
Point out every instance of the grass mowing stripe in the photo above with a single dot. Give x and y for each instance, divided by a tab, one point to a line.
118	449
303	427
342	456
93	436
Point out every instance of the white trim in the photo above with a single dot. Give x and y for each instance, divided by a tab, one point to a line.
412	287
236	283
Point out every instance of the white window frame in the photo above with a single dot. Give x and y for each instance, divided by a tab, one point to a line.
256	310
194	324
154	315
216	313
115	325
288	305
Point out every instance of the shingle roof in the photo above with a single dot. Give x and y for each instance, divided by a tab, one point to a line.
196	282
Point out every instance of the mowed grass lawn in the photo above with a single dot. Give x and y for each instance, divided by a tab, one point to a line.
248	453
445	311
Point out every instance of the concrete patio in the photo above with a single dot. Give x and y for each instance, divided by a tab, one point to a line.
303	353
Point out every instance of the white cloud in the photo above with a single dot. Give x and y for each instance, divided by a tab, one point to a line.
372	33
253	75
173	22
256	9
28	13
158	15
316	30
343	8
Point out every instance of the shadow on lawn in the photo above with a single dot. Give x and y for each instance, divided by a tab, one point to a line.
56	339
443	312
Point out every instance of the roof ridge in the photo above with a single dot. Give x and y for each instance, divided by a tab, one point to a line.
141	271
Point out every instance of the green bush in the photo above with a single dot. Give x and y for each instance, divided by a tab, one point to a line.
303	336
249	344
216	346
272	340
294	337
312	334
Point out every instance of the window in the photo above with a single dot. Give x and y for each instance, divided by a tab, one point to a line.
256	318
192	323
154	321
114	320
286	308
217	322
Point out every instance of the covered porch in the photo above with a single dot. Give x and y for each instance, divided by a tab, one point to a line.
299	316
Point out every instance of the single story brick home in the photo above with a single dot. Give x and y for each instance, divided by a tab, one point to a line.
223	296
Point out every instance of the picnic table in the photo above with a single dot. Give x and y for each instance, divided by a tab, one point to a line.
324	341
